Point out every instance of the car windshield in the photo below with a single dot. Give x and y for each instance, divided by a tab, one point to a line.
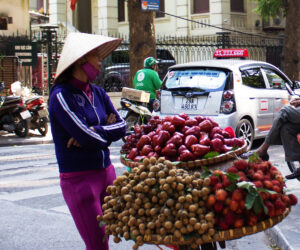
206	79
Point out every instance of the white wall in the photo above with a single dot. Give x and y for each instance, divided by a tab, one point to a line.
19	11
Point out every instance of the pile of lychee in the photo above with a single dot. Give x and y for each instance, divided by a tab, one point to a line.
158	200
248	192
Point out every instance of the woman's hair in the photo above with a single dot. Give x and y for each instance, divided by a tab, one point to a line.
64	76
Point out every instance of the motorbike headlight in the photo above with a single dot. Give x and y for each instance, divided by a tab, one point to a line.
156	105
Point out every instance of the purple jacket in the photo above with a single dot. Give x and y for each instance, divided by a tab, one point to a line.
71	114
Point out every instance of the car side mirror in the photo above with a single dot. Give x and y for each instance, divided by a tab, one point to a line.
289	88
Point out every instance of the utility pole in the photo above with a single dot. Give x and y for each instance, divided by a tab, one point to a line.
49	37
142	36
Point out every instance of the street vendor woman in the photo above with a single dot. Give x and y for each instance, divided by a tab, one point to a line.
84	123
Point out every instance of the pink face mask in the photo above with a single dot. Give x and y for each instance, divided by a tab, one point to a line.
90	71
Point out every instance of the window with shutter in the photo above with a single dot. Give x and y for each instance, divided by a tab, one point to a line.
121	10
161	8
200	6
237	5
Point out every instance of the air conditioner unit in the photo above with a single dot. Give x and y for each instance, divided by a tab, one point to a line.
274	23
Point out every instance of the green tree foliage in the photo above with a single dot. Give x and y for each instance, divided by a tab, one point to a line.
270	8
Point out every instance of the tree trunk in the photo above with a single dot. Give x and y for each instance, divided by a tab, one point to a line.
291	50
142	36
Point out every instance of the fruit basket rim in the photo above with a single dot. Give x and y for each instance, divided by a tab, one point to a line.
224	235
197	163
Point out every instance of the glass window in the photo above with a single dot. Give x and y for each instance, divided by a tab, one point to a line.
161	8
237	5
206	79
253	78
120	56
121	10
164	54
275	80
200	6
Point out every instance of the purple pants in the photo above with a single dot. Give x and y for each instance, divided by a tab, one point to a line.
84	195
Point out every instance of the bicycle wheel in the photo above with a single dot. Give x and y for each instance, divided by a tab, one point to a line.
293	165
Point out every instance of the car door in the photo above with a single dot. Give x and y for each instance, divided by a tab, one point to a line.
277	88
259	99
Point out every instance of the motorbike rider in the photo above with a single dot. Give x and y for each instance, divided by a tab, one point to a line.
285	128
147	79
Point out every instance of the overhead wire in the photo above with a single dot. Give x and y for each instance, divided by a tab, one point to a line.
214	26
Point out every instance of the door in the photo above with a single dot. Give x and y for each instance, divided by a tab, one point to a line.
260	97
277	89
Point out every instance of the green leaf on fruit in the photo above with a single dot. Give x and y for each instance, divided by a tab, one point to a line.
254	157
132	237
257	204
211	154
250	199
233	177
264	206
231	188
101	223
175	163
206	173
266	190
246	185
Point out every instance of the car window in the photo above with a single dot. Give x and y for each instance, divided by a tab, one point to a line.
275	80
164	55
253	78
121	56
206	79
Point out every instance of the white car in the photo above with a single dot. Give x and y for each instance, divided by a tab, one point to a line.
242	94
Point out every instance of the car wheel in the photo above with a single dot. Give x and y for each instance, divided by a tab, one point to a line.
113	84
245	131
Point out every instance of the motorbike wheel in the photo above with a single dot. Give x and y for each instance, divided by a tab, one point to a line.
293	165
43	126
21	127
131	120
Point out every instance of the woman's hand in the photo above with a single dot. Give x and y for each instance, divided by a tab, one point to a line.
295	102
111	119
72	142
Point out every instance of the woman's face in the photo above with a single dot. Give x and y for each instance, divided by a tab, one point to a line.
94	59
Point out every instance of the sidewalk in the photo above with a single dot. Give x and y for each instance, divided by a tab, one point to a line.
33	137
285	235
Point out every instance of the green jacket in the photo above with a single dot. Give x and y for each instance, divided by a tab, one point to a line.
148	80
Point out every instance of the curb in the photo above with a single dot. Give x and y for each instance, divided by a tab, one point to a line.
27	142
278	238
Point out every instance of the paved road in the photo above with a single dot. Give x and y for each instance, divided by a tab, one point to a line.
34	214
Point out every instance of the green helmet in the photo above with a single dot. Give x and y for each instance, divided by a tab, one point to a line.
149	62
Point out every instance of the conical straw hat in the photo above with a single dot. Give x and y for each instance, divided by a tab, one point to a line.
79	44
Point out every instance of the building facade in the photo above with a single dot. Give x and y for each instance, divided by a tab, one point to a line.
188	17
14	17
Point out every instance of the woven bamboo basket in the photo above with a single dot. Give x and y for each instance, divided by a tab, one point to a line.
230	234
197	163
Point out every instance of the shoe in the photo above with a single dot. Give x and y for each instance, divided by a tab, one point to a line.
294	175
246	155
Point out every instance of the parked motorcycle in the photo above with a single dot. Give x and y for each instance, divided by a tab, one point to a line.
39	114
13	114
133	113
35	105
